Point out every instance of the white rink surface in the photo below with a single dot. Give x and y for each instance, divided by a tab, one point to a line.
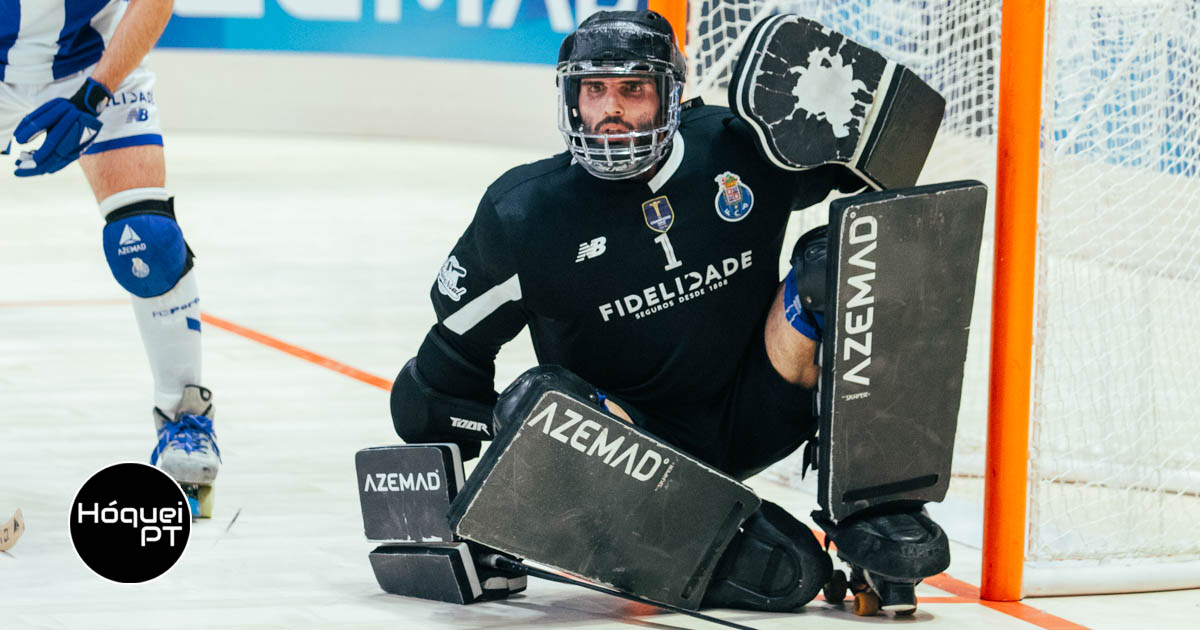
330	245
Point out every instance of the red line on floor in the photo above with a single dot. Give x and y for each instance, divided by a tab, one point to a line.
1024	612
923	600
301	353
45	303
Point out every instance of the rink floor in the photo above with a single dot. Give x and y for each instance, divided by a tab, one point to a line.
315	257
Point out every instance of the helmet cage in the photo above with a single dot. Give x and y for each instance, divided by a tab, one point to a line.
618	155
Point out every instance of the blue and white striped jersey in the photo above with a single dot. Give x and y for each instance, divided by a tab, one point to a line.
45	40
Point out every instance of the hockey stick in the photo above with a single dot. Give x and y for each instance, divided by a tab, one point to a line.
507	564
11	531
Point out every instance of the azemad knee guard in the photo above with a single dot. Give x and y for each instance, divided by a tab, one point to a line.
143	243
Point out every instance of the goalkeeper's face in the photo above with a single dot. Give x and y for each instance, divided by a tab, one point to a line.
618	105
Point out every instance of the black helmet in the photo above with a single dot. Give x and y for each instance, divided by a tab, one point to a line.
624	36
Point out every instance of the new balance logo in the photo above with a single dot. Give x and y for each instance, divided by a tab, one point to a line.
137	115
129	237
591	249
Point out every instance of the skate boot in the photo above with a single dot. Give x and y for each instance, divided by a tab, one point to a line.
889	554
187	448
773	564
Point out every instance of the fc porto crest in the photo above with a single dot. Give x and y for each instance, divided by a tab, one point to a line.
734	198
658	213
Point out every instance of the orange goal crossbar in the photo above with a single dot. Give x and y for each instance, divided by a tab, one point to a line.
1006	477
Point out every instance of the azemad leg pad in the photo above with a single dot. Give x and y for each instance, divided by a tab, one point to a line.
567	484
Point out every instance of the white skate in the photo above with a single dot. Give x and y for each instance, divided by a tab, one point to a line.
187	448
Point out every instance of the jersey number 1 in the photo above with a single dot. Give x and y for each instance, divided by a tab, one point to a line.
672	261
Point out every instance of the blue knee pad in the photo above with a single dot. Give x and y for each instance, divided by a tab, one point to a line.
145	247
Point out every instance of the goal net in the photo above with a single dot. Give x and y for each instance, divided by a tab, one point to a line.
1114	467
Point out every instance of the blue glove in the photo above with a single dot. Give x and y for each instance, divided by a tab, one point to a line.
70	126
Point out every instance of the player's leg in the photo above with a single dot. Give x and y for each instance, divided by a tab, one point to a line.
129	168
149	258
891	537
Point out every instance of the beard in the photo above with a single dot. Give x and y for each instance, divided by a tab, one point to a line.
617	124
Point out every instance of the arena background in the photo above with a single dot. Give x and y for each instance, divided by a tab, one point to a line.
433	69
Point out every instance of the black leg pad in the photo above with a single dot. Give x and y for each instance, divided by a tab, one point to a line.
567	485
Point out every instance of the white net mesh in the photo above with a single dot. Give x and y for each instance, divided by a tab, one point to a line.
1114	470
1116	440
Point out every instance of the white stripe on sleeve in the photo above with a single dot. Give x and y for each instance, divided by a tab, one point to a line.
476	310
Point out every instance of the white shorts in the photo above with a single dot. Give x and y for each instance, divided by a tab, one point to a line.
130	120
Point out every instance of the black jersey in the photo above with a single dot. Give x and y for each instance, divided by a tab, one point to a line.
650	290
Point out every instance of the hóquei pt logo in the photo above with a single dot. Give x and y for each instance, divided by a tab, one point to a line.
130	522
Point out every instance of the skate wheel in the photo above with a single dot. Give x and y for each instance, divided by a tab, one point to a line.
866	603
200	500
206	501
835	590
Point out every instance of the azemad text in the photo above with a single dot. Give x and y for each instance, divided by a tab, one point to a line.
860	312
590	438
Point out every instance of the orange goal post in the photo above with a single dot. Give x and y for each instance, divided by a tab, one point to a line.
1079	428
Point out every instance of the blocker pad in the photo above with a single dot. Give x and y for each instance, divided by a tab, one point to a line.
815	97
